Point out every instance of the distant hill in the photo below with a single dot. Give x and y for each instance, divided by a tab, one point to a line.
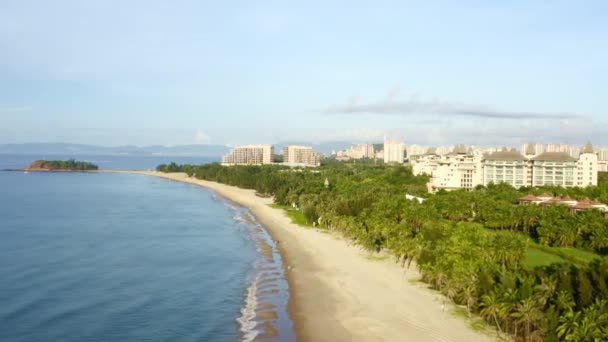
78	149
64	149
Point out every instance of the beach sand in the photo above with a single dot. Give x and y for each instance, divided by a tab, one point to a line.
339	293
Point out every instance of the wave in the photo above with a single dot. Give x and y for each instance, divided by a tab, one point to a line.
248	313
264	312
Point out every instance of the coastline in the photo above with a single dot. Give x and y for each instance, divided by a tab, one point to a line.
337	292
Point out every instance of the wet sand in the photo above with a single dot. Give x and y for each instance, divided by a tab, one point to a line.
338	293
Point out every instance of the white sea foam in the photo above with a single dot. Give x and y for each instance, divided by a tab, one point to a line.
247	319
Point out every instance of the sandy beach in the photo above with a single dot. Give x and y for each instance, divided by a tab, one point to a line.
339	293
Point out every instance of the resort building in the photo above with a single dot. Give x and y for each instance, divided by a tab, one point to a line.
294	155
574	206
249	155
459	169
553	168
465	169
394	151
506	166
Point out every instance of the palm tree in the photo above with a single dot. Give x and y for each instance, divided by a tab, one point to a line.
492	307
546	289
468	295
567	323
528	314
564	301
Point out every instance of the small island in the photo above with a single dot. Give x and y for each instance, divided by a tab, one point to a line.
61	165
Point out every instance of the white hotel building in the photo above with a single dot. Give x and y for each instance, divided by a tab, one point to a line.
249	155
456	170
465	169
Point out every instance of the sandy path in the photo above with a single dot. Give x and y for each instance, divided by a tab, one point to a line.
337	294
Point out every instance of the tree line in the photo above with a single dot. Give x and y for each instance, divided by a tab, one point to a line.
469	245
69	164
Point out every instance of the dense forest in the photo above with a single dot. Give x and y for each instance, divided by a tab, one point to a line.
70	164
534	273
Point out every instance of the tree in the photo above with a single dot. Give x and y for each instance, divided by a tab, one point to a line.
492	307
528	314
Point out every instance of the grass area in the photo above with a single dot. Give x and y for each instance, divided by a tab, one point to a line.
296	216
535	257
578	253
541	255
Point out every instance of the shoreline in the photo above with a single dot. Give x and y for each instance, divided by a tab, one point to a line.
337	292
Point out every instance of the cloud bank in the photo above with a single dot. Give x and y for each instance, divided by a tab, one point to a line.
439	108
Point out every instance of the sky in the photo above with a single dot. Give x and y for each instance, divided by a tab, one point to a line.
236	72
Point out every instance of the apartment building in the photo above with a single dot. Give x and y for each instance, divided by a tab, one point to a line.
357	152
250	155
415	150
294	155
587	167
394	151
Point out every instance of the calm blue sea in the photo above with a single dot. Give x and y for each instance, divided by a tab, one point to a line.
114	162
115	257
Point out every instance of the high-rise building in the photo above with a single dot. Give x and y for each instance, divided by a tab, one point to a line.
587	167
357	152
415	150
300	156
394	151
249	155
603	154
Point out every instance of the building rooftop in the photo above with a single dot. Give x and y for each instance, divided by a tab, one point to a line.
431	151
530	150
588	148
529	198
554	156
459	149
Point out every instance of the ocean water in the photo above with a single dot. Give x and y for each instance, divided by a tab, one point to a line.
113	162
116	257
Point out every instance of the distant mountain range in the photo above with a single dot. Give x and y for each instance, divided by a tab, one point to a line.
78	149
181	150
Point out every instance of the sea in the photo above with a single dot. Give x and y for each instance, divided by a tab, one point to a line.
120	257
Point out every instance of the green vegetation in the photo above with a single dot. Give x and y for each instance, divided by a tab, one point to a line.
573	255
71	165
533	273
602	178
296	216
536	257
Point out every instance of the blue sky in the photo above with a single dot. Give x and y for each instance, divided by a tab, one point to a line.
233	72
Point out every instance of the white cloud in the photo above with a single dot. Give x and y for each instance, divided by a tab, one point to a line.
202	137
438	107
